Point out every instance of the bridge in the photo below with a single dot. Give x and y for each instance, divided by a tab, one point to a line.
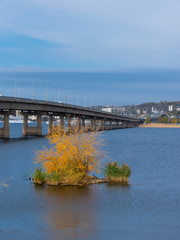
68	112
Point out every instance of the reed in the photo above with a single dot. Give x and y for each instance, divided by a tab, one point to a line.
115	173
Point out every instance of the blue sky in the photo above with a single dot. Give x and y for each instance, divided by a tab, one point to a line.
94	88
90	34
133	45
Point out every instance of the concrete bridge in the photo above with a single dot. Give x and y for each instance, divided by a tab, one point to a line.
104	120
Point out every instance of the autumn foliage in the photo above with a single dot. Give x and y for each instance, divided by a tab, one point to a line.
71	157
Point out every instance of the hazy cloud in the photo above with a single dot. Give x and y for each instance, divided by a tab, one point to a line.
96	34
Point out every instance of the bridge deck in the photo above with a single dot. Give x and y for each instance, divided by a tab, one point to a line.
24	104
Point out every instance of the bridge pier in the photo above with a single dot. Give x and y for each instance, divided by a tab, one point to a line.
102	125
130	125
50	124
93	124
4	131
110	125
124	125
68	122
106	126
32	130
79	123
62	121
83	122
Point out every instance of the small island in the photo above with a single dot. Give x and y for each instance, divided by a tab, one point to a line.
72	159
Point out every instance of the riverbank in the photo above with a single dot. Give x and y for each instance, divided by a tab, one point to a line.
159	125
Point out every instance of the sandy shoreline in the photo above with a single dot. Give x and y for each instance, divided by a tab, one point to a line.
159	125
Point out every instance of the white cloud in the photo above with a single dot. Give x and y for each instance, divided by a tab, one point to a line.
110	33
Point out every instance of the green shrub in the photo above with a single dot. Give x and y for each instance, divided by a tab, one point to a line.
125	170
116	173
68	177
39	176
52	179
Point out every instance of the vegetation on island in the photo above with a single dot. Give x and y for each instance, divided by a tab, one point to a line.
73	157
116	173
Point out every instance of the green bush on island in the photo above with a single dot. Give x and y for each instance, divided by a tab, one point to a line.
69	177
115	173
39	176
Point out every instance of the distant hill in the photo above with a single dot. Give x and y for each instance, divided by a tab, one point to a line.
162	103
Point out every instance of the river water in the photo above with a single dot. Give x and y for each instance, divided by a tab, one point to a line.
149	208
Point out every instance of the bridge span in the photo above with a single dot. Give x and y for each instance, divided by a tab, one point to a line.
68	112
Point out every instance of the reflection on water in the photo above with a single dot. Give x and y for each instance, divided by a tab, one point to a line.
69	211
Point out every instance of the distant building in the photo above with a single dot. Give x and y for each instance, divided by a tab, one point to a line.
154	110
32	117
170	108
106	109
138	111
178	108
18	113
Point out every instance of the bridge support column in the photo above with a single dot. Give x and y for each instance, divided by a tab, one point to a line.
32	130
68	123
79	123
25	125
93	124
62	121
83	122
102	125
50	124
130	125
124	125
105	125
4	131
110	125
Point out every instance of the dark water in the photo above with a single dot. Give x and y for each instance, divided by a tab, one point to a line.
149	208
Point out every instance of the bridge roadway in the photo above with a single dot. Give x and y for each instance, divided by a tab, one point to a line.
104	120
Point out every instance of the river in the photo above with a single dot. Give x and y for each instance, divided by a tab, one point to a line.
147	209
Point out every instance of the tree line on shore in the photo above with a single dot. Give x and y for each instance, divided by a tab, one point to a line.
163	119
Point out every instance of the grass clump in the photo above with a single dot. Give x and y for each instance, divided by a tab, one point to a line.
115	173
39	176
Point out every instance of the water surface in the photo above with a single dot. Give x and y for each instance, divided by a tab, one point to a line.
149	208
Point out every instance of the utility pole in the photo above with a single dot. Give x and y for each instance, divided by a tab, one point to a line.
58	95
47	92
77	102
32	90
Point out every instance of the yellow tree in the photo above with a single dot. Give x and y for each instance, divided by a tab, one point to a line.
75	153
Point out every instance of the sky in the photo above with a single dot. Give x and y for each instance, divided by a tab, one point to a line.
90	34
113	51
94	88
